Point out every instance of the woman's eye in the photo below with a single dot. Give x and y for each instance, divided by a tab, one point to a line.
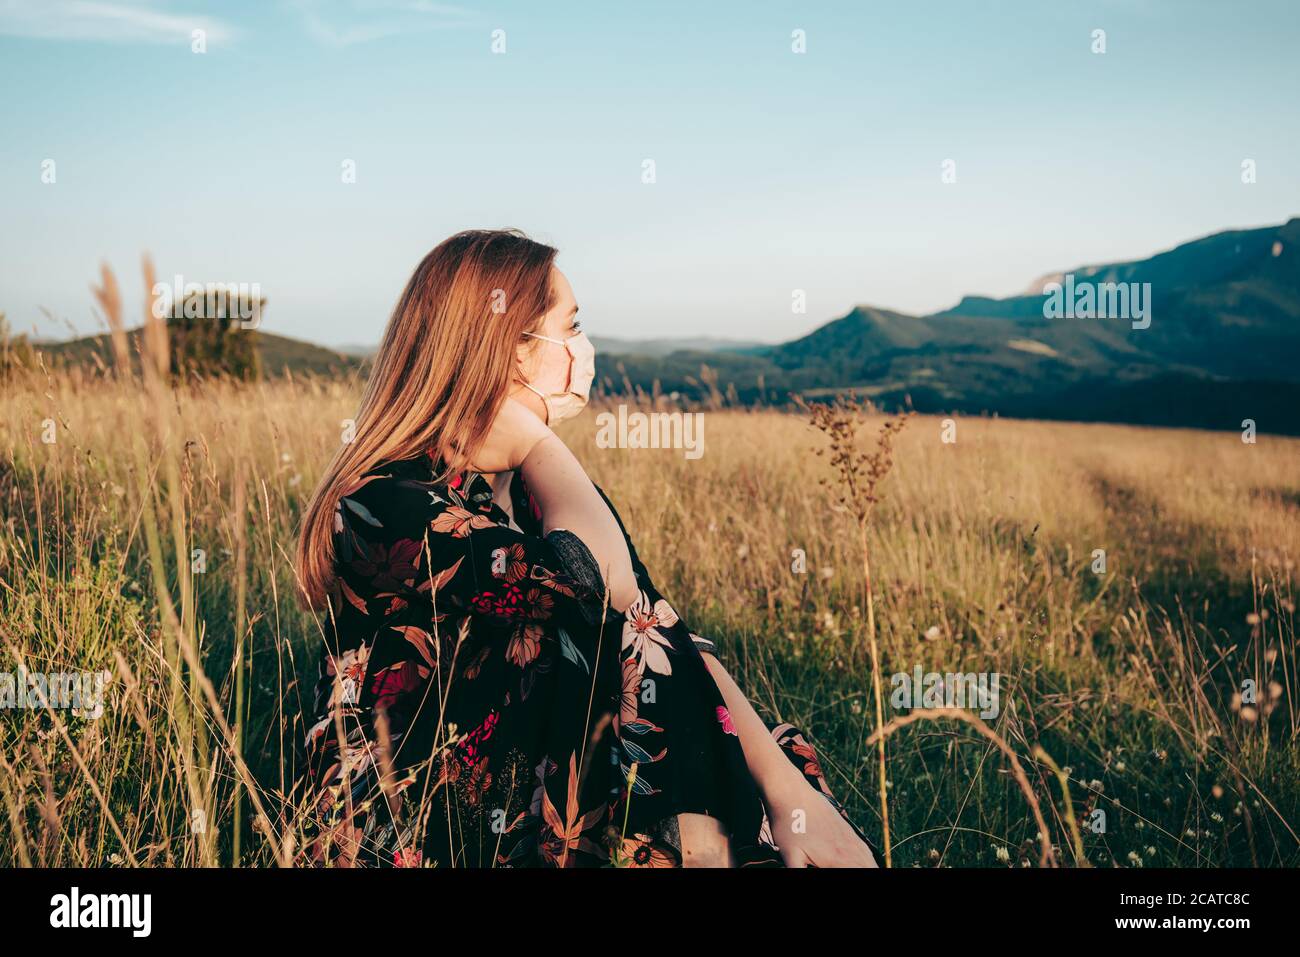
577	326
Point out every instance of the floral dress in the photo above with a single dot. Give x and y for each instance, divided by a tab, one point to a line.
479	704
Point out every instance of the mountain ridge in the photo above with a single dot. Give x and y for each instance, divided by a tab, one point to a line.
1224	319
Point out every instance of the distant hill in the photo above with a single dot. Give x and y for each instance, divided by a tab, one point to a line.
1227	305
1222	345
663	347
277	354
614	346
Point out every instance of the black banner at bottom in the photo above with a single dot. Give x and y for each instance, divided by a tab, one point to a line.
338	906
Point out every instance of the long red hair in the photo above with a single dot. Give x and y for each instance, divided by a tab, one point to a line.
441	374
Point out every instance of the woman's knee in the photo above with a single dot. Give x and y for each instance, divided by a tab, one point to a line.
704	842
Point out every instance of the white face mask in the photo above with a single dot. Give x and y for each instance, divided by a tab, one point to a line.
582	372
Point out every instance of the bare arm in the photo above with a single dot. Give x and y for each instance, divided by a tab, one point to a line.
569	500
520	440
807	830
770	768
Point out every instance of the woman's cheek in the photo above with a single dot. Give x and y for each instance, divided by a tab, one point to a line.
552	376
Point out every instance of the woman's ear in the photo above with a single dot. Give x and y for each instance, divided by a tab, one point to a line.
525	360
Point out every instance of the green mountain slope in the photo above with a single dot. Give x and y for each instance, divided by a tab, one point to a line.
278	354
1225	327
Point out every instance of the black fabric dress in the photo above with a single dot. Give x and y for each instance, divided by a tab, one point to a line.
479	705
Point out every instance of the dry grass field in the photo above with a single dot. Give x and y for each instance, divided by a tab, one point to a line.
982	552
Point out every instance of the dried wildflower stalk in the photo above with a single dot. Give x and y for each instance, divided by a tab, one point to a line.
860	474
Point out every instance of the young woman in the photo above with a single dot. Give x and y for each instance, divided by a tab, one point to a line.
502	683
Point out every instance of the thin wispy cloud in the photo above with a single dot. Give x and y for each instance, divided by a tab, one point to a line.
87	20
341	23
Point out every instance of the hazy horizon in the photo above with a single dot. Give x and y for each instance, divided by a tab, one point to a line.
371	345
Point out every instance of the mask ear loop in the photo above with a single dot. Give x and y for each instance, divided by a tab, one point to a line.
518	377
558	342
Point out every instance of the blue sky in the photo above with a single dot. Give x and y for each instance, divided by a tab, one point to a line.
776	171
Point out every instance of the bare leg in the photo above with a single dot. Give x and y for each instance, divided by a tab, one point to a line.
704	842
